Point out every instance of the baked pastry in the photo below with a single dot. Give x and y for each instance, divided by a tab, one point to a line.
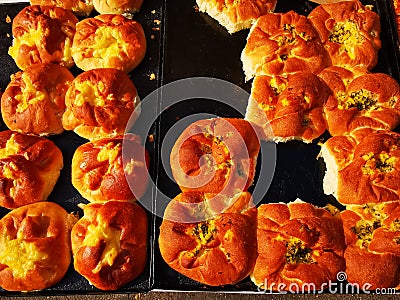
100	171
108	41
216	251
360	100
350	32
283	43
121	7
288	108
78	7
34	100
236	15
43	34
373	244
109	243
362	170
300	244
29	168
215	156
35	250
99	103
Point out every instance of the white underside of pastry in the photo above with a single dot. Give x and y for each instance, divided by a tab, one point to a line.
330	183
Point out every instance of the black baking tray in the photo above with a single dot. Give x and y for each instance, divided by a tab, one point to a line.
195	45
64	193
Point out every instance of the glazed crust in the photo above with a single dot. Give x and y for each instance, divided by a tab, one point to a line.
125	7
299	228
236	15
34	100
280	44
43	34
36	250
291	107
360	100
78	7
350	33
100	172
109	243
99	103
373	246
215	156
373	161
108	41
29	168
217	251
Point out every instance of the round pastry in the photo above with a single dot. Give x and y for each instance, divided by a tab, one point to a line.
99	103
29	168
350	33
100	172
34	100
360	171
360	100
78	7
108	41
236	15
299	244
35	250
215	156
217	251
120	7
280	44
288	108
372	234
43	34
109	243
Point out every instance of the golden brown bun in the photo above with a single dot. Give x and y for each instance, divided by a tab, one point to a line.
297	243
29	168
288	108
43	34
350	33
119	7
360	100
109	243
99	103
34	100
373	244
215	156
363	171
280	44
108	41
236	15
100	174
78	7
217	251
35	250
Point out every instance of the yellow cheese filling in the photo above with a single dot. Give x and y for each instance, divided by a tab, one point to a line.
110	152
103	232
11	148
20	256
361	99
29	94
348	35
383	163
297	252
29	38
109	43
91	93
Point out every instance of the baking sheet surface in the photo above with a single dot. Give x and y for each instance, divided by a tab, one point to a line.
64	193
196	45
